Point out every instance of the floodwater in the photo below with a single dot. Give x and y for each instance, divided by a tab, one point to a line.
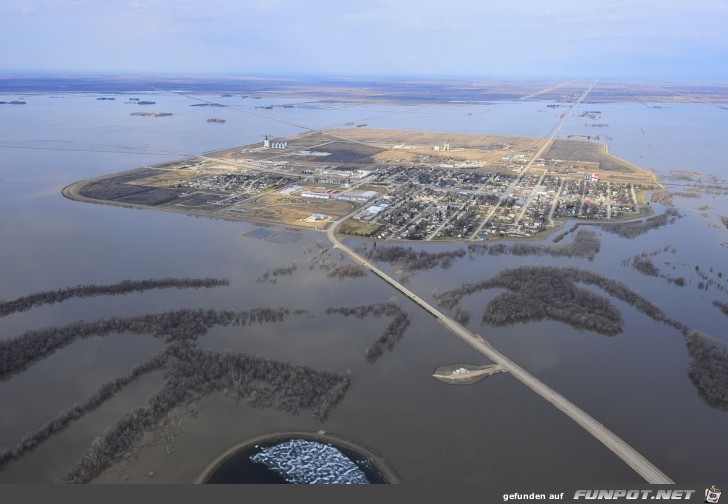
496	431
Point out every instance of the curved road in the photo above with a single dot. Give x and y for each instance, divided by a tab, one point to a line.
624	451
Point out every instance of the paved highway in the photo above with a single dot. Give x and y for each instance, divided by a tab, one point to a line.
629	455
541	151
546	90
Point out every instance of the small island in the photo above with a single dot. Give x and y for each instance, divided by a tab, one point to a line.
151	114
465	374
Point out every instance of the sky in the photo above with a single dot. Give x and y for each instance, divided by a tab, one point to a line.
478	38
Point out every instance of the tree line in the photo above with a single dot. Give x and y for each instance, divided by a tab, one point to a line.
392	333
271	275
32	439
191	373
574	306
188	372
122	288
633	229
723	306
346	271
709	367
686	194
644	265
19	353
564	234
537	292
411	260
585	244
523	278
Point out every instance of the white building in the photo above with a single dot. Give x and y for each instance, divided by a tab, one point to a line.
318	195
268	144
357	195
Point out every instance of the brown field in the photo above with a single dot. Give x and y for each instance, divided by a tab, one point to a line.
415	144
294	211
366	148
358	228
167	178
595	156
413	147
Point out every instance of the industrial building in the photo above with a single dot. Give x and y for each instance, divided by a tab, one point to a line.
290	189
345	172
319	192
317	195
269	144
357	195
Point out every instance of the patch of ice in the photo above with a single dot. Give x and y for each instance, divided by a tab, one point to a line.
308	462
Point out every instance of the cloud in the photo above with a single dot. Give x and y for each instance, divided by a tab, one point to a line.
374	36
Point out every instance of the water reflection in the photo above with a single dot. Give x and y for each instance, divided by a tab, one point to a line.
638	384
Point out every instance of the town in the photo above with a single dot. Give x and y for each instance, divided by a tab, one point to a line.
394	185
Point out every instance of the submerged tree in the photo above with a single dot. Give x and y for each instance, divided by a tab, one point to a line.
723	306
411	261
585	244
346	271
392	333
188	371
709	367
271	275
119	289
633	229
538	292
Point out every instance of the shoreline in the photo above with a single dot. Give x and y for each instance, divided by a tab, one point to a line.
445	89
71	192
